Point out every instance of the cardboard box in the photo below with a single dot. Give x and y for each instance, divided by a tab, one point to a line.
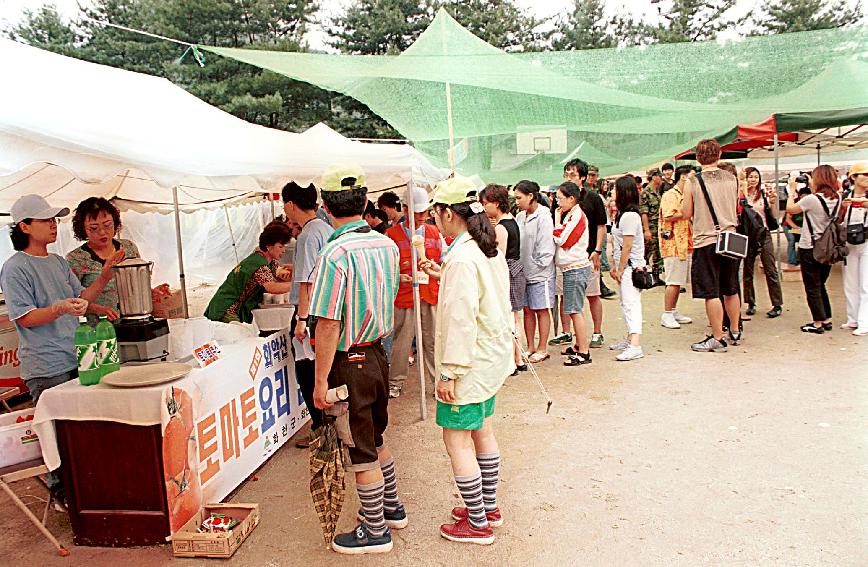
18	440
170	307
188	542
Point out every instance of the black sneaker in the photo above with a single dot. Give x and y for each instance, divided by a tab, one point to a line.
396	520
827	326
359	541
775	312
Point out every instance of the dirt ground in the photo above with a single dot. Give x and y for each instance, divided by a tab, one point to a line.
753	457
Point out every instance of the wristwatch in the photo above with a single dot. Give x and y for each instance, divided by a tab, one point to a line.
444	378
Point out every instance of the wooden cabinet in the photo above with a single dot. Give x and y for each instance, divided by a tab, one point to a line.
114	478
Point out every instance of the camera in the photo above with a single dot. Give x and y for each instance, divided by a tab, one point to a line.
802	179
666	234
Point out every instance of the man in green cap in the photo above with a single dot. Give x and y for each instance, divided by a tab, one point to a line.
354	311
649	206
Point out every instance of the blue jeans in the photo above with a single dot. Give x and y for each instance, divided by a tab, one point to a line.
604	258
792	253
387	346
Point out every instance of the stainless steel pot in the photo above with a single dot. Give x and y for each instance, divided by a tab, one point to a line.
133	278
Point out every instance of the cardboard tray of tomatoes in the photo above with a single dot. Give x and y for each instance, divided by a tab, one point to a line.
189	542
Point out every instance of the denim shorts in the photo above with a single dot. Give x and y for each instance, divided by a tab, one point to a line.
541	295
575	284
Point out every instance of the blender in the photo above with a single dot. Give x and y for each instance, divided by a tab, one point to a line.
141	336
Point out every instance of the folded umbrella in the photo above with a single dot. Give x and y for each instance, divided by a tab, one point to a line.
327	475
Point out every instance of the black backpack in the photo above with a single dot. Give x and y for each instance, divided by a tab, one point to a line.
750	224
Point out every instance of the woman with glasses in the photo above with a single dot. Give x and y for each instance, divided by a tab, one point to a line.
97	222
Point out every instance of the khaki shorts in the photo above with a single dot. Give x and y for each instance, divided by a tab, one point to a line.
559	281
676	270
593	288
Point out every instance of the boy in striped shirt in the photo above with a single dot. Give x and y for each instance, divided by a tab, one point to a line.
353	299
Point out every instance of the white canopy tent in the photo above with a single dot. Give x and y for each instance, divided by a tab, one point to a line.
70	129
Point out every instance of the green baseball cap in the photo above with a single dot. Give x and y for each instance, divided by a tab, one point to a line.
653	171
593	169
342	177
453	190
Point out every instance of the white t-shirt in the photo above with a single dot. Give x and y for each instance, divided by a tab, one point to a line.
819	219
630	224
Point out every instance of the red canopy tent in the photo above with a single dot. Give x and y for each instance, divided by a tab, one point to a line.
814	130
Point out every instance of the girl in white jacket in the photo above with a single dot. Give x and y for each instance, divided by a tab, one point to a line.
571	241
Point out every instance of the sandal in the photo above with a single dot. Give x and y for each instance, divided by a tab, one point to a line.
538	357
810	328
578	359
569	351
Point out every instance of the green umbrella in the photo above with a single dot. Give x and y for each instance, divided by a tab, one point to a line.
327	477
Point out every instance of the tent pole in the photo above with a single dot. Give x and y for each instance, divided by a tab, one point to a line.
180	253
451	152
818	155
777	188
231	235
420	350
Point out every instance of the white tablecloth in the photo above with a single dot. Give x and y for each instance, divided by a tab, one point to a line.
133	406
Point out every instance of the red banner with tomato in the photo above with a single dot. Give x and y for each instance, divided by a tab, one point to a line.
215	437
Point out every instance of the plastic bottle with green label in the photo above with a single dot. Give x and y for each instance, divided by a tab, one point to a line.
86	353
107	347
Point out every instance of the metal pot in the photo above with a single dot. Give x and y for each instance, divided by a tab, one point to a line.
133	279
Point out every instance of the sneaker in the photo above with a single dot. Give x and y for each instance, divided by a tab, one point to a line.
620	345
774	312
608	293
463	532
396	520
394	391
860	332
562	339
849	326
827	326
360	541
597	340
682	319
495	520
736	338
751	310
632	352
710	344
668	320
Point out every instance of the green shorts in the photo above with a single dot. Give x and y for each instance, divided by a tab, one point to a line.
466	417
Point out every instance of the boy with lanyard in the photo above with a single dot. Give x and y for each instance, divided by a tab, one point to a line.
354	311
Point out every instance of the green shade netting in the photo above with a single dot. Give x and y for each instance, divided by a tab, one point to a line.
521	116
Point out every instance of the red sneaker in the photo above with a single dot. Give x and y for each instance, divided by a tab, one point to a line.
495	520
463	532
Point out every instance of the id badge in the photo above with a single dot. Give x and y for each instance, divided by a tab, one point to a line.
422	278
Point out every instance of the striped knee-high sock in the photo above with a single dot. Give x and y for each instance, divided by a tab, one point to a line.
470	488
489	466
371	497
390	489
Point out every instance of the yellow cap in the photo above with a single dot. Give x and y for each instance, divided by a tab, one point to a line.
335	177
861	167
453	190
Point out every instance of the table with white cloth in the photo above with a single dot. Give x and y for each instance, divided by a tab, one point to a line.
138	463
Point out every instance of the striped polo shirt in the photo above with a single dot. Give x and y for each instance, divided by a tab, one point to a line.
356	282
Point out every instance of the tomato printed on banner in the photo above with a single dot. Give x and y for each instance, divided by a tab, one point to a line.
180	464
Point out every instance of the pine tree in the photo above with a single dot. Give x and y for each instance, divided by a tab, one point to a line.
380	27
695	20
584	27
498	22
44	28
781	16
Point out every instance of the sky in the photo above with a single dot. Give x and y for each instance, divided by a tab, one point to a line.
11	10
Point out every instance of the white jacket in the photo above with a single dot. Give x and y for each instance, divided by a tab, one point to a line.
473	338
